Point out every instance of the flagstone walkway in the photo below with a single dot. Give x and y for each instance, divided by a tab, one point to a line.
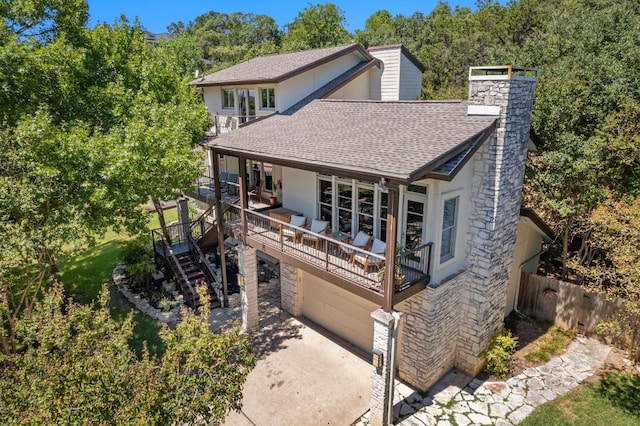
457	401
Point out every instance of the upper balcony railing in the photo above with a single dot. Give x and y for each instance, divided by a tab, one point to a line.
227	123
334	255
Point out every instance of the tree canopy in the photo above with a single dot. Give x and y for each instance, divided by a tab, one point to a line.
94	122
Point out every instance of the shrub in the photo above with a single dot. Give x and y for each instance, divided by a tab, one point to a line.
498	354
137	255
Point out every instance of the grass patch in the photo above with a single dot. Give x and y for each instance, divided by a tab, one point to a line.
84	275
613	400
550	344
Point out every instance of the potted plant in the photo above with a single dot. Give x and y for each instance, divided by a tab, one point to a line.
276	192
398	276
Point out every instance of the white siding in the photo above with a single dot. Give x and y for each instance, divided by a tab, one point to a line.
390	79
528	245
299	191
459	186
410	80
339	311
213	99
357	88
292	90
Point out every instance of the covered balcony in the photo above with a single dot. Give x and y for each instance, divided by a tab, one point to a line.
361	270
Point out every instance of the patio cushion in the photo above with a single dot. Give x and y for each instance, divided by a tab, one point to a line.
298	220
319	226
361	239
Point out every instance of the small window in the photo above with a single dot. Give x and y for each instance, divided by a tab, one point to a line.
268	98
228	98
449	224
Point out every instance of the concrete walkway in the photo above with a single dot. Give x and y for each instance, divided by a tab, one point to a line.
302	377
458	400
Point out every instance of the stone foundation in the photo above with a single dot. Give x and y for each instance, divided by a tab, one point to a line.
430	333
247	265
290	289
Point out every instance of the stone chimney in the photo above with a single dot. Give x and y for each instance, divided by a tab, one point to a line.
498	171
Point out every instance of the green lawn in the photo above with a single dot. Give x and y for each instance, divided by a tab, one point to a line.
84	275
613	400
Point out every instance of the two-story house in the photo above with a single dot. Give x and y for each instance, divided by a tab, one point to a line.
397	218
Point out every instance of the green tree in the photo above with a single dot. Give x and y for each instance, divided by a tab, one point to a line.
319	25
226	39
95	124
379	30
75	367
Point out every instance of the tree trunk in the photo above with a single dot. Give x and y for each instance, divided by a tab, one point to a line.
160	212
565	249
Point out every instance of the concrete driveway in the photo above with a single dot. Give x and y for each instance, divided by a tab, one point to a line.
302	378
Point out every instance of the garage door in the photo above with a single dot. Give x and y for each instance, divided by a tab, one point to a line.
339	311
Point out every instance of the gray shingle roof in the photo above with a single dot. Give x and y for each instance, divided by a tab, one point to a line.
275	68
399	140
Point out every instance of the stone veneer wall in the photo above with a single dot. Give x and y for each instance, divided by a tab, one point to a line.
430	333
249	292
498	172
450	324
290	289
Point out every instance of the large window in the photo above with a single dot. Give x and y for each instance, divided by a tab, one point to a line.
325	200
228	99
365	209
268	98
382	217
449	225
345	203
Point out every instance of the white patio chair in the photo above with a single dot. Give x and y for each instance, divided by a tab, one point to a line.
319	227
360	241
378	247
291	232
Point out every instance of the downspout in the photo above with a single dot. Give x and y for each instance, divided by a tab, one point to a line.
392	365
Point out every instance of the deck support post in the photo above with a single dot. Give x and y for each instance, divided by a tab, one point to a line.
385	326
248	281
390	253
218	191
243	197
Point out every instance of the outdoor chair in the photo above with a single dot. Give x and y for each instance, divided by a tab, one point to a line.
319	227
378	248
291	232
360	241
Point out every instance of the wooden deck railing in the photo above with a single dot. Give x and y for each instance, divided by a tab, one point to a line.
331	254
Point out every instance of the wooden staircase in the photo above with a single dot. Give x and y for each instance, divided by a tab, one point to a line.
195	276
190	268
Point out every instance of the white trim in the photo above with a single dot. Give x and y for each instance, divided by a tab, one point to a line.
458	246
483	110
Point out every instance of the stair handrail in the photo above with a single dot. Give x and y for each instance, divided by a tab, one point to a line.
180	272
203	260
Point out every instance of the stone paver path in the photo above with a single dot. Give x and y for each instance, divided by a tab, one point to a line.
499	403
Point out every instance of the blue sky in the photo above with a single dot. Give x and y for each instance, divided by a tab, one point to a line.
156	15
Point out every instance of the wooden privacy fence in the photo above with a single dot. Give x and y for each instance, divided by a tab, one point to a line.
566	305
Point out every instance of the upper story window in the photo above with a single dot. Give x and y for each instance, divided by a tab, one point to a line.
228	98
449	225
268	98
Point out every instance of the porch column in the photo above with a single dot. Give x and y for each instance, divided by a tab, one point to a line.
247	264
390	253
183	216
381	406
243	196
223	262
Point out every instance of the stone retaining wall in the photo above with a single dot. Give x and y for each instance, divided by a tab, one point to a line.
122	280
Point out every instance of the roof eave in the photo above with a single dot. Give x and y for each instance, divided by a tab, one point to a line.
351	48
477	140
